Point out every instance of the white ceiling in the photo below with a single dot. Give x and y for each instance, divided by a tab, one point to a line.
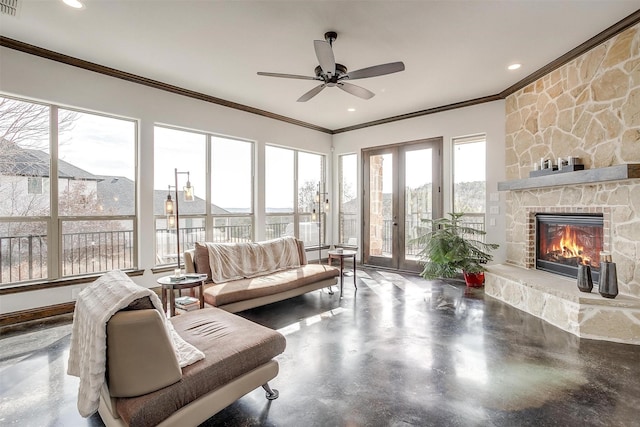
453	50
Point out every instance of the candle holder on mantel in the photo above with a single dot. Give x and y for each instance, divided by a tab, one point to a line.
585	281
608	285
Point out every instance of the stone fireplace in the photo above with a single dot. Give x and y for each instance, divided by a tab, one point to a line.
589	108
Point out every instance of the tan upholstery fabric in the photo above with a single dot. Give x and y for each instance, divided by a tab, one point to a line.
269	284
232	345
140	356
201	260
301	252
247	304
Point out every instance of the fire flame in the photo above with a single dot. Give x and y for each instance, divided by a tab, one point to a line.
568	244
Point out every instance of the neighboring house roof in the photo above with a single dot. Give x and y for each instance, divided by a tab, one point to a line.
197	206
351	207
29	162
117	195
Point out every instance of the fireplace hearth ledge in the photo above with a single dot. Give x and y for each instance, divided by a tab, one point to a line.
557	300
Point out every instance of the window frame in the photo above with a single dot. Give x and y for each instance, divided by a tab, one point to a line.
341	227
209	218
469	217
296	213
54	220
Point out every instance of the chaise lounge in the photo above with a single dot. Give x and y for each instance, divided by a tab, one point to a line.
139	379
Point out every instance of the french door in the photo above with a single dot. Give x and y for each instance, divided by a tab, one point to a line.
402	185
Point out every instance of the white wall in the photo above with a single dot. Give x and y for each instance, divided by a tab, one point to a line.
488	118
35	78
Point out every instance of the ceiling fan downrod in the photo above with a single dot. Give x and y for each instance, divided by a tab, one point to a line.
330	37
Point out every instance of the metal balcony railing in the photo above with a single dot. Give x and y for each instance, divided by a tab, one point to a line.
24	258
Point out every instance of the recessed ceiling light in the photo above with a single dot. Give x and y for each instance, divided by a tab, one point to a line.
76	4
514	66
351	110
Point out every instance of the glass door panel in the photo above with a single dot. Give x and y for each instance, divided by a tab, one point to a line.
381	229
401	187
418	197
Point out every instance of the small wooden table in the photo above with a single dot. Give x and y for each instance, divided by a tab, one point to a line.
169	284
341	256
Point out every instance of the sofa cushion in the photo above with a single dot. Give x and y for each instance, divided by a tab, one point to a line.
140	354
232	346
273	283
201	260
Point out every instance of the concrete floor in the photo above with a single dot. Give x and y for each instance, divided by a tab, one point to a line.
399	351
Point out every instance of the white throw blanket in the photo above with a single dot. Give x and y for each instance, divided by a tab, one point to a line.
88	352
232	261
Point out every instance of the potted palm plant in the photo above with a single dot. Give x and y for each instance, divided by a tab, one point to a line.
449	247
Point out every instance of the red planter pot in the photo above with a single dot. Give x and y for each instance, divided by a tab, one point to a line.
474	280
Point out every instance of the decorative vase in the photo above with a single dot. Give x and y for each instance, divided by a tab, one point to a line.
608	286
474	280
585	281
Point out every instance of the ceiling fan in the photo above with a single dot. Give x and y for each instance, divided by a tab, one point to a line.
332	74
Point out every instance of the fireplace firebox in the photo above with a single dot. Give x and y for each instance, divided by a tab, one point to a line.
563	241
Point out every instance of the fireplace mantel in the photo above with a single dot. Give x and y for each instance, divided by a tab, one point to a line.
589	176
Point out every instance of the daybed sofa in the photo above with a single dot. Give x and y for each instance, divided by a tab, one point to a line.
146	387
241	276
139	369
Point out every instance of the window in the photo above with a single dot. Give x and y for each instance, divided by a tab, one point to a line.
232	190
279	192
24	215
96	187
469	179
94	195
225	213
312	199
295	195
35	185
348	181
184	152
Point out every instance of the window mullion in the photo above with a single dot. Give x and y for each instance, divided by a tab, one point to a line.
296	209
54	228
209	220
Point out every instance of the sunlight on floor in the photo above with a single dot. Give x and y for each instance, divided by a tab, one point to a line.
297	326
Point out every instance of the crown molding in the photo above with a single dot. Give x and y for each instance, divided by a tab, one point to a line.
598	39
112	72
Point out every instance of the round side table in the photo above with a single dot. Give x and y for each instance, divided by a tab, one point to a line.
170	284
341	256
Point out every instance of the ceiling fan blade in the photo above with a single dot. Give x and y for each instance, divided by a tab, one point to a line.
287	76
356	90
324	52
313	92
376	70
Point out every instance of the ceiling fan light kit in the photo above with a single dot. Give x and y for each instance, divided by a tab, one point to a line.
332	74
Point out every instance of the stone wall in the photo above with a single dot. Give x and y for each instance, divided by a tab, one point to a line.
588	108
